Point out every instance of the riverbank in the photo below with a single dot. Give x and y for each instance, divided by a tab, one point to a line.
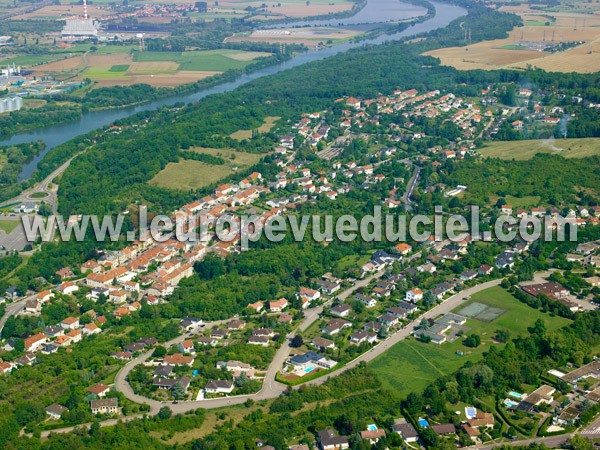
61	139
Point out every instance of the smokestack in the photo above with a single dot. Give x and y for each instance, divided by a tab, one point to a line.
85	15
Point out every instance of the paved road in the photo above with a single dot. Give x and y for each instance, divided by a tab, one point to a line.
550	442
270	388
592	431
45	186
412	184
12	309
443	308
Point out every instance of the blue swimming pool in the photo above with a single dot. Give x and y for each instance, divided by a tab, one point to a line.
510	403
423	423
372	427
309	369
515	395
470	412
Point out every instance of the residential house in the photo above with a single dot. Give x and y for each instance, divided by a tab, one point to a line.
100	390
363	336
323	344
334	326
187	346
35	342
414	295
219	387
341	310
372	436
178	359
70	323
55	411
278	305
327	440
105	406
406	430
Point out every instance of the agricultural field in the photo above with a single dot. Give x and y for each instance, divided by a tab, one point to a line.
564	24
309	36
427	362
522	150
191	174
116	65
268	11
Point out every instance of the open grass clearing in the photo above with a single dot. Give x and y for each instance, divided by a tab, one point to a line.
233	157
189	174
527	149
267	125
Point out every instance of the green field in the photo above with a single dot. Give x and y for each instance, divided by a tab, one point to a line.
205	60
119	68
410	365
30	60
9	225
521	150
189	174
523	202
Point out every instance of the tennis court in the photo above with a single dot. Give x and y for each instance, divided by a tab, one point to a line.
481	312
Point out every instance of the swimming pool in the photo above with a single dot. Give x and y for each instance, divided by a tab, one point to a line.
423	423
372	427
309	369
510	403
515	395
470	412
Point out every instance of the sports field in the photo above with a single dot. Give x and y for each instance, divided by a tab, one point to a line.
411	365
522	150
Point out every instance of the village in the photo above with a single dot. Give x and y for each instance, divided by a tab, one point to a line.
331	323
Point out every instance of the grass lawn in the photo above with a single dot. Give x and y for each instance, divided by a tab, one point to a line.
517	318
189	174
522	150
9	225
410	365
523	202
352	261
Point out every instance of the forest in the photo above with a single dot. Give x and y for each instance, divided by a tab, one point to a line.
11	163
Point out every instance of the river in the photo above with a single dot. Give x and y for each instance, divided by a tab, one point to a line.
55	135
